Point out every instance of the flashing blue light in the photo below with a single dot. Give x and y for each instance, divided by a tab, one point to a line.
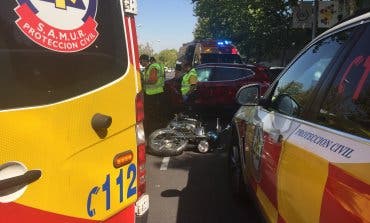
224	42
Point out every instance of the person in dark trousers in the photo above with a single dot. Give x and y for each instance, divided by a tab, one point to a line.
188	87
152	83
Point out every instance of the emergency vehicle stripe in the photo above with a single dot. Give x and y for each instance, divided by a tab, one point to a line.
242	133
129	39
135	52
360	171
345	199
269	167
301	178
127	215
13	212
133	49
271	212
280	219
135	45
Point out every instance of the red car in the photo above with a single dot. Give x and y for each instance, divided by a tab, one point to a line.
217	85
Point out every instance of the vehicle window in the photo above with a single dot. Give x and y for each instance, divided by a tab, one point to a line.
220	58
204	73
229	73
189	55
299	81
347	105
197	54
34	75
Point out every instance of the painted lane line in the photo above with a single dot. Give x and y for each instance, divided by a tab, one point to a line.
164	164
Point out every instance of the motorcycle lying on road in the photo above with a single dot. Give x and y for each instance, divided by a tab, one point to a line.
181	133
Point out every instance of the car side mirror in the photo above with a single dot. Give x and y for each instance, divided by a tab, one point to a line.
287	105
249	95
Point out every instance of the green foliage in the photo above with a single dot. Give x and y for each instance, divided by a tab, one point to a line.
259	28
167	57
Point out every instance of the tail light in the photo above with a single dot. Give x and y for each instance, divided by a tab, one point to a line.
140	139
139	107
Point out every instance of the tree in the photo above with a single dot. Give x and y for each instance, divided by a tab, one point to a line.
146	49
167	57
259	28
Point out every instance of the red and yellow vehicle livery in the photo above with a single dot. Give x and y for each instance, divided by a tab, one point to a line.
72	142
303	149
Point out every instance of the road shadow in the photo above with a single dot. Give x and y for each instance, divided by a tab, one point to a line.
207	197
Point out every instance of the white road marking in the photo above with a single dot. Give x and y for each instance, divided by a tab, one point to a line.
164	164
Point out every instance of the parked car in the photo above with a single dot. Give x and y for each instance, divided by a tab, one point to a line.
302	150
217	86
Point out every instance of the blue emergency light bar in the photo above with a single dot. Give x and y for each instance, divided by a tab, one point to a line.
223	43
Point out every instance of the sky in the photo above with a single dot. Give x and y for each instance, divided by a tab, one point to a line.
165	24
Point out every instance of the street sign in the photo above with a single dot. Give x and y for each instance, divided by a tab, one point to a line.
302	15
130	6
328	14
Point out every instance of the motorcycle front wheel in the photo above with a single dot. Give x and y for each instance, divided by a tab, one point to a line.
166	142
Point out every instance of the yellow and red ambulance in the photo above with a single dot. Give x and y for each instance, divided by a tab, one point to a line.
302	150
72	145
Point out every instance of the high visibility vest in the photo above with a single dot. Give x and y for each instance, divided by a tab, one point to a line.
185	84
157	87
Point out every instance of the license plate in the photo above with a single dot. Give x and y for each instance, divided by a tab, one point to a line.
142	205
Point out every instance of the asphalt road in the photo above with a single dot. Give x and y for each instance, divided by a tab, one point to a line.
193	188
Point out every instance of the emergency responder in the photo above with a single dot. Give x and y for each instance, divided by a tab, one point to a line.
189	79
152	60
153	83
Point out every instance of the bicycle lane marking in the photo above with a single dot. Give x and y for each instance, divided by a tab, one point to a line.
165	162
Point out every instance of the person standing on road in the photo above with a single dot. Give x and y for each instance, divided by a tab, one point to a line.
189	79
153	83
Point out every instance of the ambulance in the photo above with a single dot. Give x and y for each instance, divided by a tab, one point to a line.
209	51
72	144
302	150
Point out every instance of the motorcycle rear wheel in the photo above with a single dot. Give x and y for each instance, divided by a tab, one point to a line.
166	142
